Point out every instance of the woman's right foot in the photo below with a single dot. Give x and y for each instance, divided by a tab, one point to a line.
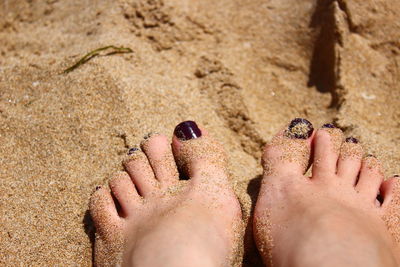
332	218
151	218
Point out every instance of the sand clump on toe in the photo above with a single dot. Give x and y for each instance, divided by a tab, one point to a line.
261	64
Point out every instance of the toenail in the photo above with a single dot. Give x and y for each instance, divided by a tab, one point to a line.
147	136
299	128
328	125
187	130
352	140
396	175
132	150
98	187
370	156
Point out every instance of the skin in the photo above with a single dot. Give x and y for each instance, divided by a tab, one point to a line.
194	226
328	220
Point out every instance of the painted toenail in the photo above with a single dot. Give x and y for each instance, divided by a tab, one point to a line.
147	136
370	156
328	125
187	130
299	128
352	140
396	175
98	187
132	150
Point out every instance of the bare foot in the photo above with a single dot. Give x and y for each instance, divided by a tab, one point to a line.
163	221
332	218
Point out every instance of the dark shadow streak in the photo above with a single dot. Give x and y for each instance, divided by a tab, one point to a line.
252	257
89	230
322	66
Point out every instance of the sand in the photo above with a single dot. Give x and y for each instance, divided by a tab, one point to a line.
240	68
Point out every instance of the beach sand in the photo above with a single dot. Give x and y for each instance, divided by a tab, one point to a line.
240	68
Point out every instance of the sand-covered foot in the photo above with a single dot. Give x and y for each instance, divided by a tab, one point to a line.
151	218
332	218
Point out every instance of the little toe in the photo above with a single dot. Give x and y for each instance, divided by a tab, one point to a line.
125	192
158	151
288	153
326	143
103	211
349	162
370	177
141	173
198	155
387	191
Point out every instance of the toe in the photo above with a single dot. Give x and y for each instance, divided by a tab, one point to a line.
103	211
326	143
349	162
391	206
288	153
387	191
158	151
198	155
141	173
370	178
125	192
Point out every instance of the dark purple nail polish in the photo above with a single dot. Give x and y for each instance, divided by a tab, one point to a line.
396	175
132	150
98	187
187	130
352	140
370	156
300	128
328	125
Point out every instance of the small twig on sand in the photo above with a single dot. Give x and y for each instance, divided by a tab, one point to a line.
96	52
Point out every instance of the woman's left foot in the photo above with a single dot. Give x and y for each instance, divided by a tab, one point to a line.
151	218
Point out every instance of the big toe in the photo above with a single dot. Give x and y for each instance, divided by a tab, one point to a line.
288	153
198	155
